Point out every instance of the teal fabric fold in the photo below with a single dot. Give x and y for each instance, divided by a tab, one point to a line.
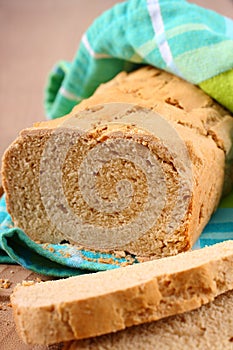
175	35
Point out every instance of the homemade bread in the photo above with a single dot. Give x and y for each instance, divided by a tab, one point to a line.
166	149
208	328
109	301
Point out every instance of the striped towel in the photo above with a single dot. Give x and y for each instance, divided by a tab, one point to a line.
182	38
179	37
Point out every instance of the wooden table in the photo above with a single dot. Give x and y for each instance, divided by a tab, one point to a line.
9	339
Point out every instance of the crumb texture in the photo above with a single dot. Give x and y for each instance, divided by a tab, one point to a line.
182	208
209	327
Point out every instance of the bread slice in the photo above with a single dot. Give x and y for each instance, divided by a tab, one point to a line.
208	328
104	302
161	208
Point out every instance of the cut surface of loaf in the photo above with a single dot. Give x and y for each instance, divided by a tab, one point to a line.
104	302
40	204
208	328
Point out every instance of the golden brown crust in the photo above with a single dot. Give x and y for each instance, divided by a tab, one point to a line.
104	302
203	125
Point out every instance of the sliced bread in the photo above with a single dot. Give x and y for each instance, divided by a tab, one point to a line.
208	328
104	302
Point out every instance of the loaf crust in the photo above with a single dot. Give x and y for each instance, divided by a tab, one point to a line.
109	301
203	126
209	327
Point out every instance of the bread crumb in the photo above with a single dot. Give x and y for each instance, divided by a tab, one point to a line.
142	259
27	283
4	283
107	261
125	263
64	253
48	247
129	258
120	254
89	259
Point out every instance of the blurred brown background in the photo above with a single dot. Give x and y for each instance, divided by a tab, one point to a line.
34	35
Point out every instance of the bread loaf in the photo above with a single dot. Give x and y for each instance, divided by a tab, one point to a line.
209	327
109	301
166	150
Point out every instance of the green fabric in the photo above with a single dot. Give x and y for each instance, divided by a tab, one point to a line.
175	35
220	88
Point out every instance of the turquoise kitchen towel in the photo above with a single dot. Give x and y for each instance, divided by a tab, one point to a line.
175	35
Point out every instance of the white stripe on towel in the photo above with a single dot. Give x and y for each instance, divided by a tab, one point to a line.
90	49
157	23
69	95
